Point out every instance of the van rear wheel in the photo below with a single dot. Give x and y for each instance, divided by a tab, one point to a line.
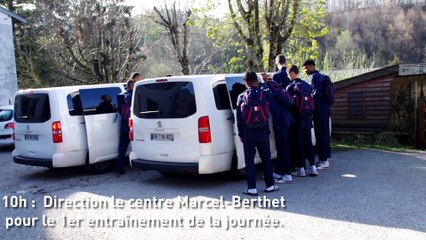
235	173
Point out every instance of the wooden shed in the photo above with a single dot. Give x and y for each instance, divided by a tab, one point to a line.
382	100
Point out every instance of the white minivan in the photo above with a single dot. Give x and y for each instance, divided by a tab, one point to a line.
187	124
67	126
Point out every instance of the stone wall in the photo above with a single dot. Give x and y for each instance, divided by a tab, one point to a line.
8	78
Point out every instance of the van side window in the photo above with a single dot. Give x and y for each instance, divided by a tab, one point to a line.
235	87
32	108
221	97
165	100
74	104
99	100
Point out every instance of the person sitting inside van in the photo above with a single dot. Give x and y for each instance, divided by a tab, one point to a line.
105	106
253	130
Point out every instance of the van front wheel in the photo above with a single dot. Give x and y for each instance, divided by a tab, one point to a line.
99	167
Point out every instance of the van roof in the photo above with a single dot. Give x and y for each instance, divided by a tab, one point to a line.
73	87
206	77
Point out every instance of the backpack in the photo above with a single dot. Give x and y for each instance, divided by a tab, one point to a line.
124	105
328	91
282	96
254	109
303	99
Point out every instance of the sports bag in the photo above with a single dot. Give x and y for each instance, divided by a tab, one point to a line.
282	96
303	99
328	94
255	108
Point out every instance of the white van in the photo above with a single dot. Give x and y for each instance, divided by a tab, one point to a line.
186	124
67	126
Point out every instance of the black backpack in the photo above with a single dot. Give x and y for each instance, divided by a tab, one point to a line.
282	96
328	94
304	102
255	108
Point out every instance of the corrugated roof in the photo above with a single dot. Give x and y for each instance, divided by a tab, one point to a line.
399	69
13	15
386	71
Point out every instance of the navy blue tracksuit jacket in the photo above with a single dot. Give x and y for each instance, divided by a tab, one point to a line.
254	138
321	117
300	133
281	121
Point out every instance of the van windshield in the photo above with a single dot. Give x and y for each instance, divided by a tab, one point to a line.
164	100
32	108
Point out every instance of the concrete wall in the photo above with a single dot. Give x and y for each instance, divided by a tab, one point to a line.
8	78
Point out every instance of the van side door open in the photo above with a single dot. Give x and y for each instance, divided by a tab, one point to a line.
236	86
102	121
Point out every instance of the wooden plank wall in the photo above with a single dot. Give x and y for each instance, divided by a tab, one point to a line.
369	109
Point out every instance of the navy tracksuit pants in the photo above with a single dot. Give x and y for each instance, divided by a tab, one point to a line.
261	143
122	148
322	135
283	164
301	144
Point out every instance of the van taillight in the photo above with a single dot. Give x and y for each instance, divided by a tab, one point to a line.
204	134
131	135
57	132
13	127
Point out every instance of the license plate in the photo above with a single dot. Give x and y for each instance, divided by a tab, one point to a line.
162	137
31	137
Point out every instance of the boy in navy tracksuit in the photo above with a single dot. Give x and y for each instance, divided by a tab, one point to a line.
124	101
254	138
281	75
281	120
301	128
321	115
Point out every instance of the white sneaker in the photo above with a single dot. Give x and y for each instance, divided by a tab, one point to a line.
278	180
276	175
323	165
300	173
313	171
287	178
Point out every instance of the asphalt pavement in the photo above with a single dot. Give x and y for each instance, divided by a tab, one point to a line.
366	194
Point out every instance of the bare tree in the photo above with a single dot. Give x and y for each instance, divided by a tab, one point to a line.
176	24
280	18
252	36
93	41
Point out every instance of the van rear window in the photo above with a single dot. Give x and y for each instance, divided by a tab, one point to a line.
164	100
32	108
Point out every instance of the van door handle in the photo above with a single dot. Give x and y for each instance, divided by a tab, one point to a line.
115	119
83	123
